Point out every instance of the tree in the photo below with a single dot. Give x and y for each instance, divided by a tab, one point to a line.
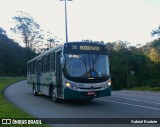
154	55
156	32
51	41
28	29
88	40
2	31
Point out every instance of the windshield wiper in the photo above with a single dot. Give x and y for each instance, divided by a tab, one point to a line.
84	62
95	60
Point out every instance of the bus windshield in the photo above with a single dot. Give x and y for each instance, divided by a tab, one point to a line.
86	65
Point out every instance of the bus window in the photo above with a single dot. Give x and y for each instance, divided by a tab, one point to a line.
52	62
28	68
35	67
47	62
31	68
44	64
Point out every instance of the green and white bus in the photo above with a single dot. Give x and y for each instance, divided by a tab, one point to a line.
74	70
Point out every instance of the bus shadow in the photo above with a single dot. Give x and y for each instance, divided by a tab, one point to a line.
93	102
73	102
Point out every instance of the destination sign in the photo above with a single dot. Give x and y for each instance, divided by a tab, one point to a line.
85	48
90	48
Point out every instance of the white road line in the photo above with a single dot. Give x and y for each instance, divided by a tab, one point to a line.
141	106
137	100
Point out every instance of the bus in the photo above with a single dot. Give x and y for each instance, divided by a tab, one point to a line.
73	70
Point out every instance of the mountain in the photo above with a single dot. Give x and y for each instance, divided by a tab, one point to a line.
13	57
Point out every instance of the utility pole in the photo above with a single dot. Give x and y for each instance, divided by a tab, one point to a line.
66	27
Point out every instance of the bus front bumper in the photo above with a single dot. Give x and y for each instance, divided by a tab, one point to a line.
83	95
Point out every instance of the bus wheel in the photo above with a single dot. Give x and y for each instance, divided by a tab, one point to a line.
34	90
53	95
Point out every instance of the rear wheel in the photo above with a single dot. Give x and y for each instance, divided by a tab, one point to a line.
35	93
53	95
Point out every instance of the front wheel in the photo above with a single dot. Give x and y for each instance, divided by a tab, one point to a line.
53	95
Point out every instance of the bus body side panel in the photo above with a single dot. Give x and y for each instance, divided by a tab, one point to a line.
44	84
47	80
32	79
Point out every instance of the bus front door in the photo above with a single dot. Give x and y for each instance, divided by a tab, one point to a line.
38	75
58	74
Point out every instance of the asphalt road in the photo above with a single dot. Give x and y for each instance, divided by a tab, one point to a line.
122	104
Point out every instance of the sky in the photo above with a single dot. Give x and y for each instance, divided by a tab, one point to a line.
98	20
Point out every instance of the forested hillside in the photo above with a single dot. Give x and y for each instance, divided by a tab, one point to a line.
13	58
131	66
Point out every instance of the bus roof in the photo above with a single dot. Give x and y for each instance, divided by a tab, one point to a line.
59	46
45	53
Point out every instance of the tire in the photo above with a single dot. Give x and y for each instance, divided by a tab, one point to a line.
53	96
35	93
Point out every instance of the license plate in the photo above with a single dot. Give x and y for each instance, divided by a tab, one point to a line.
91	93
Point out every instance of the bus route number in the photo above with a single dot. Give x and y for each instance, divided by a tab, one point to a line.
74	47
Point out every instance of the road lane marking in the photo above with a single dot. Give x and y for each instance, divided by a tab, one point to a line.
138	100
141	106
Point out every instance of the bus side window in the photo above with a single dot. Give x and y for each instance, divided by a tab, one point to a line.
48	62
31	67
28	68
35	67
52	62
43	64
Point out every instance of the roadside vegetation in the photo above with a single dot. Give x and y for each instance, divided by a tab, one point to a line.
133	67
7	109
146	88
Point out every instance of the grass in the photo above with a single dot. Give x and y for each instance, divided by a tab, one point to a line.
146	88
7	109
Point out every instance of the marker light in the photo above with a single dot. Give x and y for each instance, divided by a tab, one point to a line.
109	83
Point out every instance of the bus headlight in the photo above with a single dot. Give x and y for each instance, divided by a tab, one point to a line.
68	84
71	86
109	83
